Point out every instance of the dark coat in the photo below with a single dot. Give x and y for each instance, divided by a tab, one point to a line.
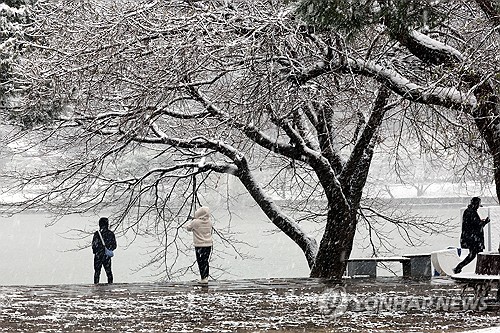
109	239
472	236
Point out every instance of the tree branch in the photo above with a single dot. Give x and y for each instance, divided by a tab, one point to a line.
373	124
443	96
492	10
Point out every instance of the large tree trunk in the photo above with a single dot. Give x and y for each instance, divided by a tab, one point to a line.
336	244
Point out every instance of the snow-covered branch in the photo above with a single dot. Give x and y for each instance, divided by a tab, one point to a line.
434	95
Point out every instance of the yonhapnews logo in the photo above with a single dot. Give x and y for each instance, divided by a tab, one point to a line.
335	302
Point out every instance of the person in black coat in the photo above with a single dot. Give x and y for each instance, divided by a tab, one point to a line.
472	236
100	257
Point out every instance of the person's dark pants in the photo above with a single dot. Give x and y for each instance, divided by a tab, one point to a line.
99	262
202	256
472	254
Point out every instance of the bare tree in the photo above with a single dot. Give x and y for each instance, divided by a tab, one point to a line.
127	103
450	45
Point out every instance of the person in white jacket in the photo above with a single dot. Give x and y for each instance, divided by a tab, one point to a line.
201	226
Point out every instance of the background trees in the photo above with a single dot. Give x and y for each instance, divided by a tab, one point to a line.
127	103
13	15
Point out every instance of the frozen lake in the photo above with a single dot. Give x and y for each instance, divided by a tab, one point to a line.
33	254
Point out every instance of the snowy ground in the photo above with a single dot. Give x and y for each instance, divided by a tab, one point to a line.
287	305
486	330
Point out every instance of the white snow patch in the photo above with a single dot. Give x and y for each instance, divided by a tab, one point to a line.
434	44
495	329
407	88
12	10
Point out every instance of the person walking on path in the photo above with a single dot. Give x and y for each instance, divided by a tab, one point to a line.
201	226
100	257
472	236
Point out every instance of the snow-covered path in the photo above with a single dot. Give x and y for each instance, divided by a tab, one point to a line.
291	305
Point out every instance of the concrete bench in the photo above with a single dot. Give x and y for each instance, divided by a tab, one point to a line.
414	265
419	266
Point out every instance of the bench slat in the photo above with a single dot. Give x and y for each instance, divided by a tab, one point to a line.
378	259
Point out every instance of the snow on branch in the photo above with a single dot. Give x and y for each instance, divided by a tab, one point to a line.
435	45
12	11
249	129
198	142
429	50
433	95
443	96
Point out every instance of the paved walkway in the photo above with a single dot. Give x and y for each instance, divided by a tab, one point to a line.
287	305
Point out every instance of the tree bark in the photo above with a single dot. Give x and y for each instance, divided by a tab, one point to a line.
336	244
289	227
492	10
487	119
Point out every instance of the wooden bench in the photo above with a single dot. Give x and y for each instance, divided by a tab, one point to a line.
414	265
